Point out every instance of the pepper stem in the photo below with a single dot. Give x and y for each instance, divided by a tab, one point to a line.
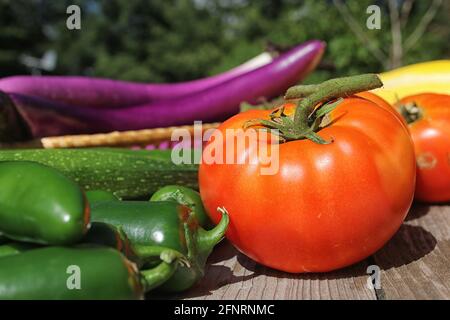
152	278
153	253
207	239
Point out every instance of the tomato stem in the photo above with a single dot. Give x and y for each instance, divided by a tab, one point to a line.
333	89
301	91
411	112
308	119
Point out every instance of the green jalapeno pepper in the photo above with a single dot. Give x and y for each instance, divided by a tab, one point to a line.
108	235
165	224
95	196
185	196
39	204
13	248
77	273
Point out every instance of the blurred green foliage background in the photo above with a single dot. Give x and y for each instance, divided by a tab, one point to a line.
176	40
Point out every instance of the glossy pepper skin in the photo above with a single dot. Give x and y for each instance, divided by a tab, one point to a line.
165	224
38	204
13	248
104	274
185	196
109	236
105	234
42	274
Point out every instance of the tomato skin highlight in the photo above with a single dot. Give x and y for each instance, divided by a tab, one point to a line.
431	136
328	206
382	103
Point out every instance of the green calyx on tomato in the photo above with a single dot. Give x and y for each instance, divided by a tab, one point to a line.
411	112
308	119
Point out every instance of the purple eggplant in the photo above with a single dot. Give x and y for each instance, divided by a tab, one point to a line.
106	93
216	103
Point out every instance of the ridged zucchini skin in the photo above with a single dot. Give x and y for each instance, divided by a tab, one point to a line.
127	174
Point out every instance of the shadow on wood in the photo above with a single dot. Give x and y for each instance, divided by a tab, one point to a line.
415	262
409	244
419	210
354	270
217	275
230	274
412	256
223	251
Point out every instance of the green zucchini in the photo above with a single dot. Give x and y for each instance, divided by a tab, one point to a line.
126	173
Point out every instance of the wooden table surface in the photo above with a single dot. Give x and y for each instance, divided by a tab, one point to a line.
414	264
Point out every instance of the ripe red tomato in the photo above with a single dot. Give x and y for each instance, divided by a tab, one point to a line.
382	103
328	206
431	135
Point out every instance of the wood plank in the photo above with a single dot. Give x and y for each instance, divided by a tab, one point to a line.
416	262
414	265
231	275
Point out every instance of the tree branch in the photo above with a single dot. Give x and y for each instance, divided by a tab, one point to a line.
405	11
396	31
422	26
359	32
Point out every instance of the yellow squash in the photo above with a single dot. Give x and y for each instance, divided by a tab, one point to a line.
432	76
